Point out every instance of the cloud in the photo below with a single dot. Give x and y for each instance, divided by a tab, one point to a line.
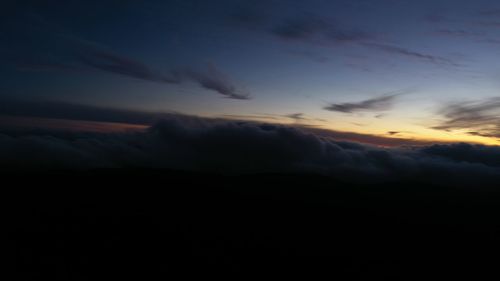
318	31
307	28
64	52
47	67
463	152
375	104
480	118
55	114
117	64
213	79
250	16
71	111
246	147
312	125
315	57
490	12
436	18
391	49
457	33
296	116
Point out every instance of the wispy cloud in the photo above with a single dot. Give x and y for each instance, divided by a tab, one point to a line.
479	118
315	57
311	28
64	51
213	79
490	12
392	49
300	29
457	33
305	28
122	65
73	111
296	116
382	103
322	32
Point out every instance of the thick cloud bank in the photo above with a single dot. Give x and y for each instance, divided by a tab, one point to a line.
245	147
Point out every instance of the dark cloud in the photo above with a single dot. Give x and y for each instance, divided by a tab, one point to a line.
213	79
311	28
457	33
245	147
301	28
481	118
63	51
70	111
122	65
304	27
304	119
490	12
299	118
296	29
48	67
316	30
375	104
296	116
464	152
311	124
250	16
391	49
251	116
61	112
493	24
392	133
316	57
436	18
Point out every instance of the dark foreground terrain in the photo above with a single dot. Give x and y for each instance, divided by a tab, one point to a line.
154	225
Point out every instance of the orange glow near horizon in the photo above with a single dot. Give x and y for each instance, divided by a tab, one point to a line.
66	124
417	135
380	129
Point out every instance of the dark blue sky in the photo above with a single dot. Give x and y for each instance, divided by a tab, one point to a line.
413	69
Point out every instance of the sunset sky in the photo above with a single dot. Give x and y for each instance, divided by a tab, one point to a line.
420	70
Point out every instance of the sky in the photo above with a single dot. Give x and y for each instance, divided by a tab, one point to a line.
406	70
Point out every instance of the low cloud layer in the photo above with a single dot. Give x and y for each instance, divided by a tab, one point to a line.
244	147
